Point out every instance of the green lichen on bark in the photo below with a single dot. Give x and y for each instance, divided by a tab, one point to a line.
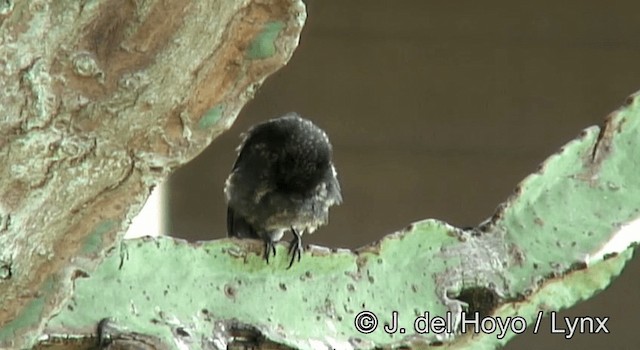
101	100
563	235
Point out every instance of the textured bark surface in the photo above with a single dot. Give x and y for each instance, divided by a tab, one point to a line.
100	101
566	232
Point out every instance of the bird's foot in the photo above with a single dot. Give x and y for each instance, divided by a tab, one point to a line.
295	247
269	248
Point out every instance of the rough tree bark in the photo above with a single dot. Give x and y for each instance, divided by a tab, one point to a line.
100	101
103	98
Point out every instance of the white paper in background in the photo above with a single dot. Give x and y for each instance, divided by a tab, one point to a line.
150	221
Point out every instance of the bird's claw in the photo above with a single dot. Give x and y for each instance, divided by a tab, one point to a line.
269	248
295	247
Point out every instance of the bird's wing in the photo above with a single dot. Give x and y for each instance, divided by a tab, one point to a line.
238	227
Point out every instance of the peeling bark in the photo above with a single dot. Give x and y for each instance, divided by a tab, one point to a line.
101	100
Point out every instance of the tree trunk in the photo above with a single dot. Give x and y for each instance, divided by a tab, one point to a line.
100	101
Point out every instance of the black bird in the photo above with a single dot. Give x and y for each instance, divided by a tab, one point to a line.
283	179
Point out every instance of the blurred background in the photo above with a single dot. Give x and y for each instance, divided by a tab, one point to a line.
437	110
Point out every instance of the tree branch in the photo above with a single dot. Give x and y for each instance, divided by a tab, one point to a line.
567	230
